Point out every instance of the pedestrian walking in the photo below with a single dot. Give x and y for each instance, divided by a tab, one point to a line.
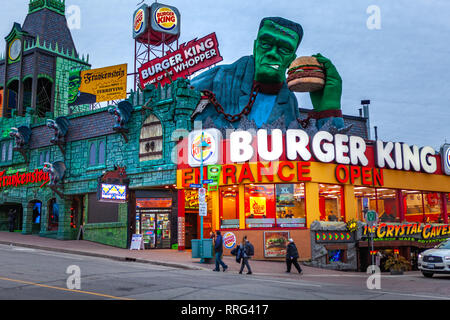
12	219
245	252
218	247
292	256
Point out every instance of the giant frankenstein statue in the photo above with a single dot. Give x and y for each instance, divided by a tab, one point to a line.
254	88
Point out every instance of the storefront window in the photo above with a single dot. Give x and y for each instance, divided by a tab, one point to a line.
388	205
260	206
229	213
433	207
413	206
366	199
290	205
331	202
423	207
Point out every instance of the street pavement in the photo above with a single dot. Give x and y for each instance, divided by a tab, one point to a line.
315	283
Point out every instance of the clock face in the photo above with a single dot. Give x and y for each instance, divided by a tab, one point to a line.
15	49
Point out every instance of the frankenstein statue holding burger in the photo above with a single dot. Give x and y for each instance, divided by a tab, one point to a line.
255	89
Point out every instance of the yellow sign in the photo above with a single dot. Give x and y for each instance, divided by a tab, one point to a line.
257	206
98	85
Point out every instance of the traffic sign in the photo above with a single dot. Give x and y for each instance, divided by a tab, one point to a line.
371	217
195	186
208	181
202	209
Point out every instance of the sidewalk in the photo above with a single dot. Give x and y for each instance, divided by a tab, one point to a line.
170	258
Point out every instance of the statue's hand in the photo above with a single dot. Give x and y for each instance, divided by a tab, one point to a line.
329	98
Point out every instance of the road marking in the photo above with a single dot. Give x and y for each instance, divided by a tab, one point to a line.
285	282
413	295
63	289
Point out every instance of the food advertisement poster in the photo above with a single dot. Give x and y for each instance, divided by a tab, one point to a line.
275	243
257	206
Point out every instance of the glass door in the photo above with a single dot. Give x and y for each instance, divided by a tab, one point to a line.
148	226
163	231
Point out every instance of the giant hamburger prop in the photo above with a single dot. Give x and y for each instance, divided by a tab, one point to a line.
306	74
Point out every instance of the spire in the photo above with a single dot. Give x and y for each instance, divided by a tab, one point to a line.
58	6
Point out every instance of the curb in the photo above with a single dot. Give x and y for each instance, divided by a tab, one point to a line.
106	256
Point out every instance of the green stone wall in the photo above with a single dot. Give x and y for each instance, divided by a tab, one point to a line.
172	105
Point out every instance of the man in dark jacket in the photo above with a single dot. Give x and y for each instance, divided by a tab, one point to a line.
218	247
292	256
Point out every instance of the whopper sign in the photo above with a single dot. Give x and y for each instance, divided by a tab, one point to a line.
189	58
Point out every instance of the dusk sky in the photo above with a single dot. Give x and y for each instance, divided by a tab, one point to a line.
401	62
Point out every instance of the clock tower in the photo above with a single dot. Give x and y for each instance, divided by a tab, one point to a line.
38	57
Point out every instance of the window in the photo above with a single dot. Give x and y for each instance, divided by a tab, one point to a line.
229	207
281	206
331	202
7	150
366	200
291	205
260	206
97	153
44	156
387	203
423	206
151	140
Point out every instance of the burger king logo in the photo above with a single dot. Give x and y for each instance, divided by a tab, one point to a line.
139	20
208	151
166	18
229	240
447	158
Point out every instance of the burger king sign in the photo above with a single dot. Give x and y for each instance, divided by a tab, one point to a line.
165	19
140	21
229	240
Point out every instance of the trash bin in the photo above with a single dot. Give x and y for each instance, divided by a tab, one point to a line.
205	252
195	248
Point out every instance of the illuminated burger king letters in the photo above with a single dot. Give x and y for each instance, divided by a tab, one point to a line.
324	147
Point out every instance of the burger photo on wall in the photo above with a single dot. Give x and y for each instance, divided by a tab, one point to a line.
306	74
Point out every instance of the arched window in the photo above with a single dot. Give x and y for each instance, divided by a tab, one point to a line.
101	152
93	154
10	151
151	140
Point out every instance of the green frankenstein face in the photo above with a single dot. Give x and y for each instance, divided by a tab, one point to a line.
74	86
274	50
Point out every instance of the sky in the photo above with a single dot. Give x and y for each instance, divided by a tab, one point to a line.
395	53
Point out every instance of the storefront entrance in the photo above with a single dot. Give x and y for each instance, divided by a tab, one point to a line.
154	218
14	210
36	208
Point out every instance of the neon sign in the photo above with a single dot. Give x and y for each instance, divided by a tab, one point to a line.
21	179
